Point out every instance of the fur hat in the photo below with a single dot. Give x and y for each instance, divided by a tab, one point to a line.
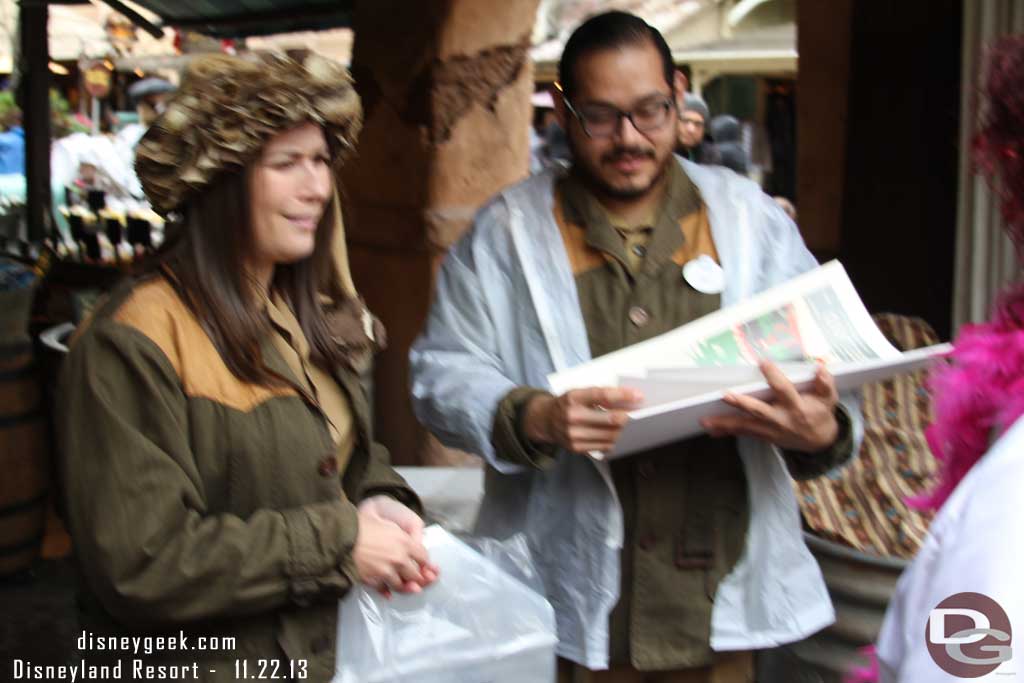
228	108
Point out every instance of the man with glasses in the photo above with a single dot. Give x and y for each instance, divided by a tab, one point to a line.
674	564
693	119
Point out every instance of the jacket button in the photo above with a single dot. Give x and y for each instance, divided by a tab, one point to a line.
647	541
328	466
639	316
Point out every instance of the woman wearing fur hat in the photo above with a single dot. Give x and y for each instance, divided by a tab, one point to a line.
218	465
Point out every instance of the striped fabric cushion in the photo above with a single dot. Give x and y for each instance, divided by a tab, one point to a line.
861	505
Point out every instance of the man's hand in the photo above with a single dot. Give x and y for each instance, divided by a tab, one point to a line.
389	552
792	420
580	420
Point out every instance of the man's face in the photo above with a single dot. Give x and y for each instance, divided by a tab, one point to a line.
626	163
691	129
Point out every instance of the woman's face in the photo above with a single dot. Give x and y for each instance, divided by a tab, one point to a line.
289	188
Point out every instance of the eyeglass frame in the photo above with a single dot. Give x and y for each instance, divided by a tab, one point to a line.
691	122
619	115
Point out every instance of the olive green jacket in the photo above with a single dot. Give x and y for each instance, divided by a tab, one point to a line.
202	503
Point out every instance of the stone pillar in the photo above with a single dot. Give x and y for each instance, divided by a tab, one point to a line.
446	86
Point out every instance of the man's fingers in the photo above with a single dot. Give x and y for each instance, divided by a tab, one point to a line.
785	392
587	433
740	425
587	445
601	419
825	384
590	396
753	407
602	438
587	449
620	398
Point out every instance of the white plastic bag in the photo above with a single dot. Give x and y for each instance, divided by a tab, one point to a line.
476	624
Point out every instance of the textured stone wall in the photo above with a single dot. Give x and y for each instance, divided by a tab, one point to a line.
446	89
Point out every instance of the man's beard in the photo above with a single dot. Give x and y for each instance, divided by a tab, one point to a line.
600	188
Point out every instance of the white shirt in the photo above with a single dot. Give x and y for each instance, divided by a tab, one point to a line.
975	544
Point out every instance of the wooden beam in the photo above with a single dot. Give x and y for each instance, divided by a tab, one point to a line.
264	22
822	104
136	18
34	99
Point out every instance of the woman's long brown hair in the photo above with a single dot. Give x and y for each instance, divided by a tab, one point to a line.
204	258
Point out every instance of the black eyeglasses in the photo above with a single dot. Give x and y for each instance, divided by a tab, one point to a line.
602	120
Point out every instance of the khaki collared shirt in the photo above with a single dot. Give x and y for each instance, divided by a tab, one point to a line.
293	346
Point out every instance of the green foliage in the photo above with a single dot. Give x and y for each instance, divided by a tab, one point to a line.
62	119
58	104
8	108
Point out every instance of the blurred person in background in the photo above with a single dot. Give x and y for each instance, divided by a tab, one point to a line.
694	140
12	144
727	133
786	206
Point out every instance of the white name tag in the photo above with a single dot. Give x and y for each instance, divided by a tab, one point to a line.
704	275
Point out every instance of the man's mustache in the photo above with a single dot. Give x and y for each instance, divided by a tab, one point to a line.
626	152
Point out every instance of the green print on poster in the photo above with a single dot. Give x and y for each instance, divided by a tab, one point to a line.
718	351
774	336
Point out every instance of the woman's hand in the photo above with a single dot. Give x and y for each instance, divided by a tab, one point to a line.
389	552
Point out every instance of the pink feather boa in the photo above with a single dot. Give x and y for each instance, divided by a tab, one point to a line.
869	673
977	397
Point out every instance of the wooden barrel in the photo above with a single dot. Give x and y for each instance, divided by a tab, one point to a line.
24	454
